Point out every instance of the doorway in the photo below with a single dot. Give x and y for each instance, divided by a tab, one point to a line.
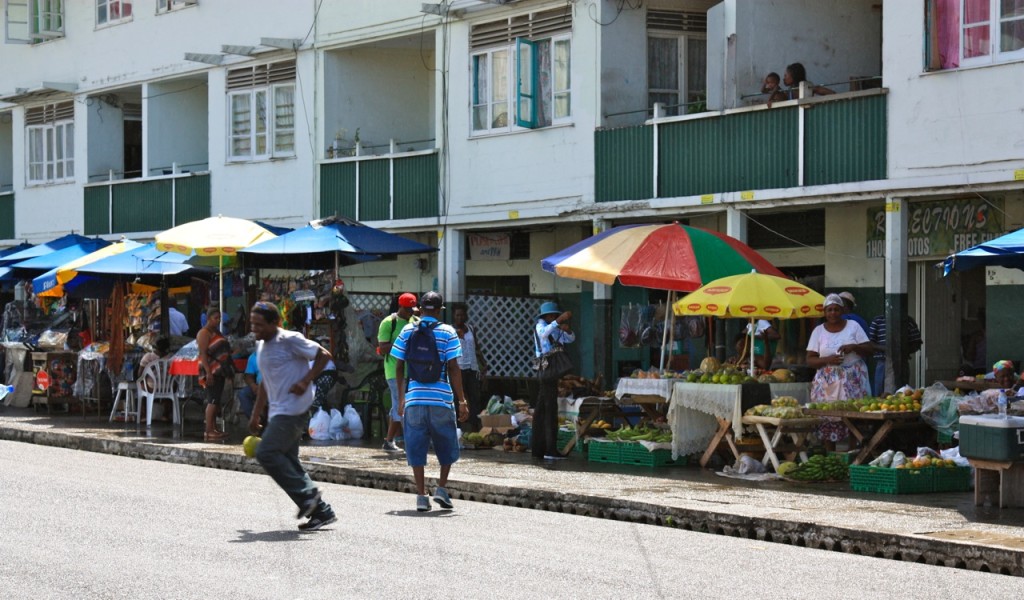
945	308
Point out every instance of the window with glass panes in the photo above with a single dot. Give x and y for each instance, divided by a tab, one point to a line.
33	21
50	143
112	11
521	72
677	60
261	111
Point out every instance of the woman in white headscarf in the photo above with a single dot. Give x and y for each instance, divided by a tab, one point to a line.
837	349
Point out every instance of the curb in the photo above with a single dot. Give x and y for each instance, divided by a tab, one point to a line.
908	548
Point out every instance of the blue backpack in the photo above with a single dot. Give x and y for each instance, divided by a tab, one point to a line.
421	355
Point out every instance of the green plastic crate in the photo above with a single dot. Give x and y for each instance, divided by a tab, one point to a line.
634	453
606	452
951	479
883	480
565	436
846	457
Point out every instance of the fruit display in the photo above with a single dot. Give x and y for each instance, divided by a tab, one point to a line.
775	412
817	468
785	401
908	401
926	458
601	424
476	440
640	433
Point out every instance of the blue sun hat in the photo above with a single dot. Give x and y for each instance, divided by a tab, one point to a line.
549	308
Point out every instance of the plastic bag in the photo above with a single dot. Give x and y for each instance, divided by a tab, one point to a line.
747	464
898	460
355	423
939	408
338	425
954	455
883	460
320	425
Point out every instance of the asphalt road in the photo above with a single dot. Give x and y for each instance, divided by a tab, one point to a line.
83	525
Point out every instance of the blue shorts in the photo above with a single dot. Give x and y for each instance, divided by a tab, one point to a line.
393	386
426	424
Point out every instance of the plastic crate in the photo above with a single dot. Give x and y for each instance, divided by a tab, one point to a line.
951	479
845	457
606	452
565	436
883	480
635	453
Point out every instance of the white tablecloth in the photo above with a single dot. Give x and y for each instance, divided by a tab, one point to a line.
645	387
725	401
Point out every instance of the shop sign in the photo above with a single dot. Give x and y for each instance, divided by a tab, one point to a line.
491	246
939	228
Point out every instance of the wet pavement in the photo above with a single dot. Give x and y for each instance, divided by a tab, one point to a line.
940	528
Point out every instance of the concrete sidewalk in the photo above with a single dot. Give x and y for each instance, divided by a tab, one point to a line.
945	529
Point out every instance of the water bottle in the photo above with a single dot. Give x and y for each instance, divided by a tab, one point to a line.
6	389
1002	404
129	371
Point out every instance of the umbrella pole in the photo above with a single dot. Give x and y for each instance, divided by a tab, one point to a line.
672	331
753	354
664	331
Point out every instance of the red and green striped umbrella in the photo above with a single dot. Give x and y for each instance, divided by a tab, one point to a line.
667	257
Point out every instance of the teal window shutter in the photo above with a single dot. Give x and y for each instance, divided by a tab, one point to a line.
526	84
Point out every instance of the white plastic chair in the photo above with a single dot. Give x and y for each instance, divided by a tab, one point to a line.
156	382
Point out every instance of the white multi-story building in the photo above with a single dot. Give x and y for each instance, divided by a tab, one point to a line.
504	131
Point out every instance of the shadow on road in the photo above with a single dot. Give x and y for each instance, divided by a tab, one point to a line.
416	513
246	536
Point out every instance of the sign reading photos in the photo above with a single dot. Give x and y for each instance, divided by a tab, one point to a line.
940	228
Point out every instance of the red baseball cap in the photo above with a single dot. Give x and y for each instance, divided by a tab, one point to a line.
407	300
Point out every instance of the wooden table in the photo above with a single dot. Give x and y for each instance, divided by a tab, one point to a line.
978	385
592	408
798	430
1004	479
888	421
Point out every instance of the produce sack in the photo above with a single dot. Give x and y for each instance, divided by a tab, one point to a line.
338	425
355	423
320	425
939	408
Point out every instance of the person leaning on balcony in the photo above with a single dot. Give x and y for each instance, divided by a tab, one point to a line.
795	75
770	86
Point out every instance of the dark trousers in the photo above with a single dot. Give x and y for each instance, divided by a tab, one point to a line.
544	439
471	387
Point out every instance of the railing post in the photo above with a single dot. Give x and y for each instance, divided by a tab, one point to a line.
391	178
110	208
174	196
659	112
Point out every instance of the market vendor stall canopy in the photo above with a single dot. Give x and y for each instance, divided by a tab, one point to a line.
328	243
1003	251
218	236
673	257
6	273
60	243
752	296
145	264
65	278
40	264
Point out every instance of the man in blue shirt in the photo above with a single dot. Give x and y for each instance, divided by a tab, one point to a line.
428	409
247	395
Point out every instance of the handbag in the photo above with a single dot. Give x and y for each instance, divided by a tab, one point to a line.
552	365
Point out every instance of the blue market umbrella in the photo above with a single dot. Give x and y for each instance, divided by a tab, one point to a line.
72	239
146	264
329	243
1004	251
13	250
52	259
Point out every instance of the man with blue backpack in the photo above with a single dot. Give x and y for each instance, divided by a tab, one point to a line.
426	353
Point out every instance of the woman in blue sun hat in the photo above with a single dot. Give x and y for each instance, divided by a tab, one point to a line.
551	331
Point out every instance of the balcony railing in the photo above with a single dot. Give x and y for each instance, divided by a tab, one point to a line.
397	185
830	139
6	215
152	204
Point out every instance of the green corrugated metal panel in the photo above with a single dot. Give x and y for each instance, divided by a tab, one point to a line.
374	190
6	216
142	206
191	198
732	153
845	140
338	190
416	187
624	164
97	210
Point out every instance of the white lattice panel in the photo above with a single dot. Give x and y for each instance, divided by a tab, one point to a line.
375	303
505	327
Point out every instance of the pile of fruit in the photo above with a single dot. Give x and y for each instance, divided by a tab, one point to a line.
908	401
926	458
817	468
640	433
477	440
601	424
783	407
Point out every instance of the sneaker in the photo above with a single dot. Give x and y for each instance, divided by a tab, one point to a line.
390	446
422	503
442	498
317	521
549	457
309	506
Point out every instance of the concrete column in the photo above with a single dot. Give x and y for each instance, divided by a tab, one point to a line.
604	330
735	226
896	314
451	265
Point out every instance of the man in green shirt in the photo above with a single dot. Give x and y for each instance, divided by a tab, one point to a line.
388	332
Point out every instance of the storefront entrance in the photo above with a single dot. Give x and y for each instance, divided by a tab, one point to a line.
947	310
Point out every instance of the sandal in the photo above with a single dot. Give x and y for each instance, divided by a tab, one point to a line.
214	436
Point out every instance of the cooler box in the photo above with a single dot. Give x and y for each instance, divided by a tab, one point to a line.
990	437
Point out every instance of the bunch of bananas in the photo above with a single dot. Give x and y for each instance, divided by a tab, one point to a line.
819	468
640	433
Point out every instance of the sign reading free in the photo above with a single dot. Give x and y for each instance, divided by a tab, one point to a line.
939	228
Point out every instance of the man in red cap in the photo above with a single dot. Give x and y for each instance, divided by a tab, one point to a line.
388	332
